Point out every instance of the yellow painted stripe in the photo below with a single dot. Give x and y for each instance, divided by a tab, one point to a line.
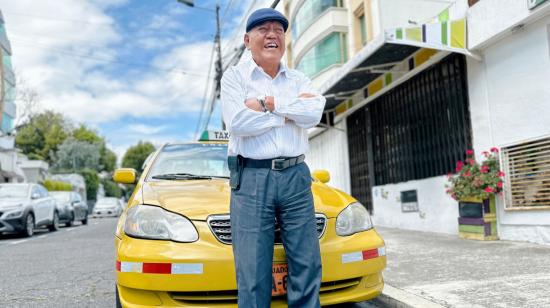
341	108
376	86
458	33
414	34
423	55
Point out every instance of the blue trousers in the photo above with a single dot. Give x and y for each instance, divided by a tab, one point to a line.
266	195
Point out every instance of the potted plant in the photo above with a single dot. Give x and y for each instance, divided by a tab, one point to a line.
474	186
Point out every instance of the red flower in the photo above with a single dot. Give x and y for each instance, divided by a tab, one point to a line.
459	165
469	152
489	189
467	174
494	150
471	162
485	153
484	169
499	184
500	174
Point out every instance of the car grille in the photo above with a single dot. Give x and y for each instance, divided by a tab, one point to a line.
230	296
221	227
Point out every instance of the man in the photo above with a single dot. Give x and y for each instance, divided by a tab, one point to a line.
267	109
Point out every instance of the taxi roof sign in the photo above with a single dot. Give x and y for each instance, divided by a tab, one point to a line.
215	135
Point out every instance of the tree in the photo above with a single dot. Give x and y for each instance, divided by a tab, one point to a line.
27	101
92	183
135	155
111	188
41	136
77	155
108	158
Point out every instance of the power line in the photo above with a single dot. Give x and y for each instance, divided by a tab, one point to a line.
203	105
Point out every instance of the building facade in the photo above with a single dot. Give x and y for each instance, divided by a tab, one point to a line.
10	170
410	86
7	108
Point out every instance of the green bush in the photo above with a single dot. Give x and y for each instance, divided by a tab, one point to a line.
111	188
57	186
92	183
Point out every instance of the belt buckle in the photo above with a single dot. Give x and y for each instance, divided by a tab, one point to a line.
278	164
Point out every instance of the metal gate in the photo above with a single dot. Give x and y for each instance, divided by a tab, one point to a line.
417	130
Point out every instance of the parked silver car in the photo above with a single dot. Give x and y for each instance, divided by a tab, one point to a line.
70	207
107	207
26	206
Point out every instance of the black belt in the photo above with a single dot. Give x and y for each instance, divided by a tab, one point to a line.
280	163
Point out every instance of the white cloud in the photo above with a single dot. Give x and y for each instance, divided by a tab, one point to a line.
146	130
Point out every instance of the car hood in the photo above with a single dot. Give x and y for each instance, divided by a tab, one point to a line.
197	199
7	203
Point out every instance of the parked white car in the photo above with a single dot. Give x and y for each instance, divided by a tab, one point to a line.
107	207
26	206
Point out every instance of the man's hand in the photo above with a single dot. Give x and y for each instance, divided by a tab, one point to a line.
270	103
306	95
253	104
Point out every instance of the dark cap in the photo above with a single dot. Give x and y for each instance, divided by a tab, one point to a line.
263	15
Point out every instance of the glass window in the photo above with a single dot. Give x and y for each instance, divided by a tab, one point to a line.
43	192
62	196
198	159
308	13
331	50
363	26
7	123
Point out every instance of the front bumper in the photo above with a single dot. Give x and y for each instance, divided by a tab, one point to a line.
202	274
14	224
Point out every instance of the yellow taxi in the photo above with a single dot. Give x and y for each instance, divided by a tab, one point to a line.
173	241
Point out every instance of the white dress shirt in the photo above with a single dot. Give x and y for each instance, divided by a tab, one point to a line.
264	135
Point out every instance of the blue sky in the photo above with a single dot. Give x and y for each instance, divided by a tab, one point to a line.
132	69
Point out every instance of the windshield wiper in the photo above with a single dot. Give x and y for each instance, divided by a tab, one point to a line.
181	176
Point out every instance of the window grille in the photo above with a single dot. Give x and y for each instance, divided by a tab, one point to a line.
527	169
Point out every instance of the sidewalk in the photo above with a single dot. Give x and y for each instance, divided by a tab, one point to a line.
463	273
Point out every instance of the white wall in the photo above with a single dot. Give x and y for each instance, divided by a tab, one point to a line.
509	102
397	13
329	150
437	211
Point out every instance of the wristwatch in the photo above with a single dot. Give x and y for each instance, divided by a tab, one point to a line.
261	100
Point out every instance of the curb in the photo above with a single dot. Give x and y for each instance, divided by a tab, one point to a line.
392	297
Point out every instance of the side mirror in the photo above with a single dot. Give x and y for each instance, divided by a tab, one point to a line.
321	175
125	175
35	196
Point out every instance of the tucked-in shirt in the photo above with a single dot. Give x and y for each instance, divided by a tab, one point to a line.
263	135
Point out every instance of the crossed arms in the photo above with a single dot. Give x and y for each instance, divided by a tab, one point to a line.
244	117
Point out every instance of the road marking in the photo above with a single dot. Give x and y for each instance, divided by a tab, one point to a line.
69	229
18	242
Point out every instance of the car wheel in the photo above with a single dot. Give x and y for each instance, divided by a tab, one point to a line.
55	223
85	220
28	225
117	299
70	222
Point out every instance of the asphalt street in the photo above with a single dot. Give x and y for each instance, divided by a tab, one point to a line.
72	267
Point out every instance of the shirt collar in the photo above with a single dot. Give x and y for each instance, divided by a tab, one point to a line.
252	67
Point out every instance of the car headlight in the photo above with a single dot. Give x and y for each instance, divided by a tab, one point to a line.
14	214
153	222
354	218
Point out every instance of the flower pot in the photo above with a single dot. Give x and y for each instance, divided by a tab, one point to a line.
477	219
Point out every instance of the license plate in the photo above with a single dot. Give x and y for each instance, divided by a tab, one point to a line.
280	277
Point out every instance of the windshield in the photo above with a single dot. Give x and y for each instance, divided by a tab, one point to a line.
201	159
14	191
106	203
61	196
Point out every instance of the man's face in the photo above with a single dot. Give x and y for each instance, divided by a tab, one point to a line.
266	42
